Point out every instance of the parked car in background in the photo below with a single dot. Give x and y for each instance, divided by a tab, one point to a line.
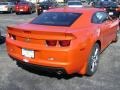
74	3
63	40
45	5
7	7
24	7
110	6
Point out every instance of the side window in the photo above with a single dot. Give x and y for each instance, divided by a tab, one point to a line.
29	3
99	17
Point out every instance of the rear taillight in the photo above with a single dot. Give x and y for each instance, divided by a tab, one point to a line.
51	42
64	43
17	7
25	6
117	9
13	37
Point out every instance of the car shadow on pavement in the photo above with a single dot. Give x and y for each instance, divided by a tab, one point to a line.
25	13
47	74
6	13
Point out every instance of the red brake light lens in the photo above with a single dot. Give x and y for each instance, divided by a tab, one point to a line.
64	43
51	42
13	37
17	7
25	6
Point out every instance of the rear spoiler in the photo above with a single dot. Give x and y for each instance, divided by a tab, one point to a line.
44	35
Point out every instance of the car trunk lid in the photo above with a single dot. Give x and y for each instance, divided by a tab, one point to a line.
40	32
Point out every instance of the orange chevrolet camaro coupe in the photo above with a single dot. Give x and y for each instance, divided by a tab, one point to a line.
63	40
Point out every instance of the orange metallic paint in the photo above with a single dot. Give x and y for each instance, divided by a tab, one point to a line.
74	58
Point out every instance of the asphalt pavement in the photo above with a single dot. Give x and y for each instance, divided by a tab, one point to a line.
13	77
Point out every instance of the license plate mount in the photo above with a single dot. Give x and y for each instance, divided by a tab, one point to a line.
28	53
21	9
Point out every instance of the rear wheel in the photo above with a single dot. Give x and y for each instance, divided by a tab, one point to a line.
93	60
38	12
17	13
30	11
116	39
11	11
2	39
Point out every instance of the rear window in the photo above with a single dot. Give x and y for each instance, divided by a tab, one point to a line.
74	3
56	18
3	3
42	3
22	3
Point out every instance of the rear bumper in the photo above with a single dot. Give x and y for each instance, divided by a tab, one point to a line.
72	60
4	10
22	10
49	69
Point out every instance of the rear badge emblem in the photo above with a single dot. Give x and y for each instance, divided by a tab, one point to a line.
27	40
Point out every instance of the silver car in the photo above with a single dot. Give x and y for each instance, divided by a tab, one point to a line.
7	7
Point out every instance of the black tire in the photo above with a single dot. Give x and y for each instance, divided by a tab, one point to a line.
2	39
30	11
93	60
118	29
17	13
116	38
119	15
11	11
39	12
